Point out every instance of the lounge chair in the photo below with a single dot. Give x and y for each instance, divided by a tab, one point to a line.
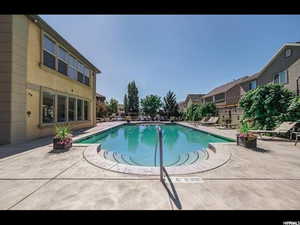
212	120
204	119
283	128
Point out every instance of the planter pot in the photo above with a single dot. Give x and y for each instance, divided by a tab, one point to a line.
57	144
247	143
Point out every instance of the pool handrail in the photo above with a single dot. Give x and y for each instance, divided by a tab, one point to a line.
161	165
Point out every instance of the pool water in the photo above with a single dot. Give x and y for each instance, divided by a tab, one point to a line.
138	144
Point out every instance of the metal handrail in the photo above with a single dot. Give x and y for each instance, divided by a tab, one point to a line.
161	165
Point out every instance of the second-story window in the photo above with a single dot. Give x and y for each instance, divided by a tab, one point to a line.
220	98
49	52
62	61
57	58
281	78
253	84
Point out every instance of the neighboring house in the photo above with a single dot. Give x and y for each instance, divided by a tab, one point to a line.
226	98
283	68
44	82
121	110
100	98
181	106
193	99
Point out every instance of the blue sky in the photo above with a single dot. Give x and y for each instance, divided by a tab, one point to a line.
183	53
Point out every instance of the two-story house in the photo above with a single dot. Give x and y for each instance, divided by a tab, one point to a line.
44	81
283	68
226	98
193	99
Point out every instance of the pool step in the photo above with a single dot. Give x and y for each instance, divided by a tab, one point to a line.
185	158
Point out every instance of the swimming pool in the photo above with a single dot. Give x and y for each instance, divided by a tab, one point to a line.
137	144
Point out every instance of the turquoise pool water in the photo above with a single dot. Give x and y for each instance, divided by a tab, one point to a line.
138	144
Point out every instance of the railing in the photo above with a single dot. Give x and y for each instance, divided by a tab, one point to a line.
161	165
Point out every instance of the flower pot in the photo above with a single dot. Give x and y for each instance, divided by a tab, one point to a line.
62	144
246	142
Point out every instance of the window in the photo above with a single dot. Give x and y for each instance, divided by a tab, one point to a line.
281	78
49	60
276	79
62	61
49	45
61	108
62	67
209	99
48	106
253	84
80	77
71	109
86	110
49	52
63	55
220	98
57	58
87	80
288	52
79	109
72	73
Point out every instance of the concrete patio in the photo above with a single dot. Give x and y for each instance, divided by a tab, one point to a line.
33	177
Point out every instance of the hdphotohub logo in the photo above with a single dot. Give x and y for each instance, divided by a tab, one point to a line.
291	223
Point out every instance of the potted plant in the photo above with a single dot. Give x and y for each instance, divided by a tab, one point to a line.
246	138
63	138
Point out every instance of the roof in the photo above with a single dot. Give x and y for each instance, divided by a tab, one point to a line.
101	96
251	77
278	53
46	27
225	87
194	97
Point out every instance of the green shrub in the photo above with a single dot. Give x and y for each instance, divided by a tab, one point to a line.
62	132
269	105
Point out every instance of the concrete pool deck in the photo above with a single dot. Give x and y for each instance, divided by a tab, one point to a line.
32	176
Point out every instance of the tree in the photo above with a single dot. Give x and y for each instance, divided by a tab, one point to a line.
133	98
150	105
101	109
125	104
170	105
269	105
193	112
208	109
198	111
113	106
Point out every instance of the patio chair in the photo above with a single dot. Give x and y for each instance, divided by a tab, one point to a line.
283	128
211	121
